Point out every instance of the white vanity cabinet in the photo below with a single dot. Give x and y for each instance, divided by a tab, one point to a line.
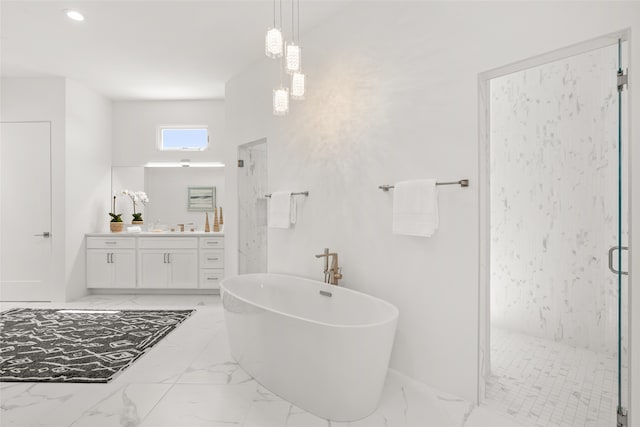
168	262
162	261
111	262
211	262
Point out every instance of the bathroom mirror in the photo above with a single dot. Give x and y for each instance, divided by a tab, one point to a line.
168	190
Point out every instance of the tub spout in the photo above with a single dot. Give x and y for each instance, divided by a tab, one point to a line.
325	255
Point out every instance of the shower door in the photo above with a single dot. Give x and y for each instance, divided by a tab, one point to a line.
557	168
620	251
252	207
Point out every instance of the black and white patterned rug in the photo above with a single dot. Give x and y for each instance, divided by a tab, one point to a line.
71	345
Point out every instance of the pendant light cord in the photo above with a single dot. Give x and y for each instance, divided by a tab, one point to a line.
298	4
274	13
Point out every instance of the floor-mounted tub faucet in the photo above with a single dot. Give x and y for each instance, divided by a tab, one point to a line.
333	274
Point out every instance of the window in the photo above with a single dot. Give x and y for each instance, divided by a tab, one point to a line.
183	138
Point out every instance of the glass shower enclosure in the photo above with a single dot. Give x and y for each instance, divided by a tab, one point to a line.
557	214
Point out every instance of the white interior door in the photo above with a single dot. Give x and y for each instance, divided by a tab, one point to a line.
25	211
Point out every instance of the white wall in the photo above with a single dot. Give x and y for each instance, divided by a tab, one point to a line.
88	176
80	166
135	124
388	102
43	99
167	191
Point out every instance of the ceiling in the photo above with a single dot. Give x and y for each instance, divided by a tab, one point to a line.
144	50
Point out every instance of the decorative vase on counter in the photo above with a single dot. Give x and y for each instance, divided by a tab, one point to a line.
134	222
116	227
216	222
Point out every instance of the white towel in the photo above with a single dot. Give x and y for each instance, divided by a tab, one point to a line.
415	208
280	210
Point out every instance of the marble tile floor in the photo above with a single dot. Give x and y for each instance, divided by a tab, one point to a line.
539	382
190	380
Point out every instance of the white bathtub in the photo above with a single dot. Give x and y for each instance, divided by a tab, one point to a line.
325	354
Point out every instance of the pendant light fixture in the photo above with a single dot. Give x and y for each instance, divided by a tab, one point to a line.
297	77
290	61
280	101
292	50
281	96
273	40
297	86
293	57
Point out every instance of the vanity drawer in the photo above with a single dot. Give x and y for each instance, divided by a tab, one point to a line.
111	242
212	258
210	278
212	242
168	243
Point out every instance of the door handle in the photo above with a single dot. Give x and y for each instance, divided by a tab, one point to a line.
611	267
165	257
45	234
108	261
169	258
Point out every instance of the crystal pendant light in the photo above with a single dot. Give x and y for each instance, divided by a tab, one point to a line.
273	43
273	40
293	57
297	86
280	101
294	62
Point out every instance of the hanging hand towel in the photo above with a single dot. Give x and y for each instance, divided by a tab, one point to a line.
280	210
415	208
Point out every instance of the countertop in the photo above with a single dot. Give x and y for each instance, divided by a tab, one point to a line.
158	234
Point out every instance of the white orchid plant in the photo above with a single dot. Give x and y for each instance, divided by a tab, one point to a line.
136	197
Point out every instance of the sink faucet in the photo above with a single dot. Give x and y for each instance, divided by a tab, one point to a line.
333	274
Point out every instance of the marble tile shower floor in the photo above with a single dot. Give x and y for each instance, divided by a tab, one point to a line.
539	382
190	380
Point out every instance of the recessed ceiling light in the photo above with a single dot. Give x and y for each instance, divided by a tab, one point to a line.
74	14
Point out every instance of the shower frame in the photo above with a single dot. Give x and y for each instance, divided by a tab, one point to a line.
484	139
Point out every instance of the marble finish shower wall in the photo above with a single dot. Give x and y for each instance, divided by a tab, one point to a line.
252	187
554	200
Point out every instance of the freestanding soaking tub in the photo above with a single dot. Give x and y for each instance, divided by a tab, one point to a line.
323	348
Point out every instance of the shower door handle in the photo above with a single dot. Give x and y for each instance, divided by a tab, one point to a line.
611	267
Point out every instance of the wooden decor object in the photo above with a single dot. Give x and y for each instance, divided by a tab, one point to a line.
221	217
206	224
216	223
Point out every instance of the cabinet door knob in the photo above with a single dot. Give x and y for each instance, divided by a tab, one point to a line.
45	234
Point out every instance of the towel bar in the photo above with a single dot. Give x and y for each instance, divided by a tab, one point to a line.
302	193
462	183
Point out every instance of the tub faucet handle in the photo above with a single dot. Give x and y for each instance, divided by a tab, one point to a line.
338	275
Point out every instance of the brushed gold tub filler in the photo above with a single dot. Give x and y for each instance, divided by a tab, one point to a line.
333	274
